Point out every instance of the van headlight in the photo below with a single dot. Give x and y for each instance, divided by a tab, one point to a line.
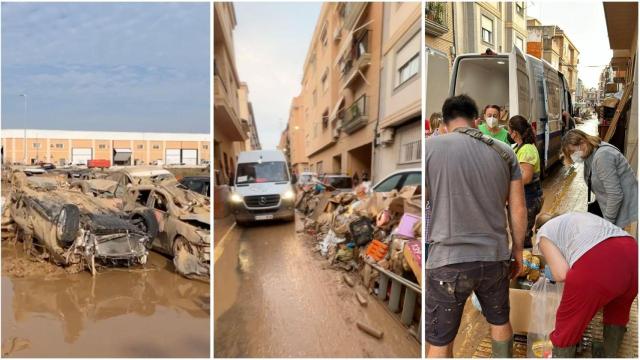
288	195
235	198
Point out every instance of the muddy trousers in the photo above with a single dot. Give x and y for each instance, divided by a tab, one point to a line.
534	205
604	277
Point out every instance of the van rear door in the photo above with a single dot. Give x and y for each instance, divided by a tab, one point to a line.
437	80
519	95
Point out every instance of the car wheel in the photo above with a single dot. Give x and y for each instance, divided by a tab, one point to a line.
68	224
146	221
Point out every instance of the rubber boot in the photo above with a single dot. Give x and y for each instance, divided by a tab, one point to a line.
502	349
564	352
612	336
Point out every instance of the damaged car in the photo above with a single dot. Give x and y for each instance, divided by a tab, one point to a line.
183	224
70	228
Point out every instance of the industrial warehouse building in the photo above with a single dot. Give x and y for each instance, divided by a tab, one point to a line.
63	147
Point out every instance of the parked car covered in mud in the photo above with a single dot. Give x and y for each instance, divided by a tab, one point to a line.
70	228
183	224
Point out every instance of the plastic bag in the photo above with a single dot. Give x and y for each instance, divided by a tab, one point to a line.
545	300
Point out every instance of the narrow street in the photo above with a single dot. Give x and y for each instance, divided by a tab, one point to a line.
275	297
564	190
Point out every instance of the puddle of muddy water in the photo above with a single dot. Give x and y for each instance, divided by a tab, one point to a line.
144	312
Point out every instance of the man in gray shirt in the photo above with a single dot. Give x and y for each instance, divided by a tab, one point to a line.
469	180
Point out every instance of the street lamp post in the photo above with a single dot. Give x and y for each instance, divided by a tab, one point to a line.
25	128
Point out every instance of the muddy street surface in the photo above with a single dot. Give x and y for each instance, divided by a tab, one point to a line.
564	190
148	311
274	297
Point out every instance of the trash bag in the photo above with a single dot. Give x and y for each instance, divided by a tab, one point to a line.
546	297
361	231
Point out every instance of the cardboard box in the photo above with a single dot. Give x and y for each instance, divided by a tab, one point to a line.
520	313
413	256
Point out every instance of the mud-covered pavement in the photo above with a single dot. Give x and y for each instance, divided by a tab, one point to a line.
564	190
147	311
275	298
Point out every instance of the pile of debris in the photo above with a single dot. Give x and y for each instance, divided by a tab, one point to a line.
356	229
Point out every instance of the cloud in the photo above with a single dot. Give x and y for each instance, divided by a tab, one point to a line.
271	41
134	66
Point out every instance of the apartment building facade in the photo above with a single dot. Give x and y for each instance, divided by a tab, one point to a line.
551	43
64	147
340	88
498	26
399	131
438	25
247	117
296	136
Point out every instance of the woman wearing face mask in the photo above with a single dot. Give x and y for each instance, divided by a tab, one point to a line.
529	159
607	170
490	126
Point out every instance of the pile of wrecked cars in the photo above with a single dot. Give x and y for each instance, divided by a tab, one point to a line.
114	218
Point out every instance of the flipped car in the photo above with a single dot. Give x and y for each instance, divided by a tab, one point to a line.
69	227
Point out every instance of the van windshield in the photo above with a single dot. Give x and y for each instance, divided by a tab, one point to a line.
267	171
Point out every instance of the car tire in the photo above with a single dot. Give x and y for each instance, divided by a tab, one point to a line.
68	224
146	221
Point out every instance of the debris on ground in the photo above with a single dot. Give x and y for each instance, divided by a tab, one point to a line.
370	330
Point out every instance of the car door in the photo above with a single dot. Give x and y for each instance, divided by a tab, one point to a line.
390	183
160	205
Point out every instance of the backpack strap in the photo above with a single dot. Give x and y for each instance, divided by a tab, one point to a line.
478	135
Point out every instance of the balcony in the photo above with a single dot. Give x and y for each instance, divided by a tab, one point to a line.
357	116
225	114
356	58
435	18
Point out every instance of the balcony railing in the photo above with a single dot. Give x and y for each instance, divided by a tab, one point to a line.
357	116
436	18
357	57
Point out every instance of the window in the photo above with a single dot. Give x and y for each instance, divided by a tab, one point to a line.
323	35
408	69
59	146
410	152
520	43
487	30
325	120
156	147
319	167
139	146
389	184
160	202
36	145
205	146
324	82
520	8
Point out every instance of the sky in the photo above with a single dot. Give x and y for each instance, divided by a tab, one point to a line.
584	23
271	43
106	66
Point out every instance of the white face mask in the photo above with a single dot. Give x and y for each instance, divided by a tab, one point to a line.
576	157
492	122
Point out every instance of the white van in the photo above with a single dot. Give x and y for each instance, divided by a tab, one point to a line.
523	85
262	187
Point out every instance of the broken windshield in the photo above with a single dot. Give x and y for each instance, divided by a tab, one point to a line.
267	171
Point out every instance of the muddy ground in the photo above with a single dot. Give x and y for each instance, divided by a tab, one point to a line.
274	297
148	311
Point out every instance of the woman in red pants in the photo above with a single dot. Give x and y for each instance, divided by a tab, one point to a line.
598	262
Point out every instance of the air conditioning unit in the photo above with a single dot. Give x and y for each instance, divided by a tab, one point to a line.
337	34
386	136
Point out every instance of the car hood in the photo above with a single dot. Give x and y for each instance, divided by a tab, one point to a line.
197	217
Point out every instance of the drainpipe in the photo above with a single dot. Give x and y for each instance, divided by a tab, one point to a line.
374	168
